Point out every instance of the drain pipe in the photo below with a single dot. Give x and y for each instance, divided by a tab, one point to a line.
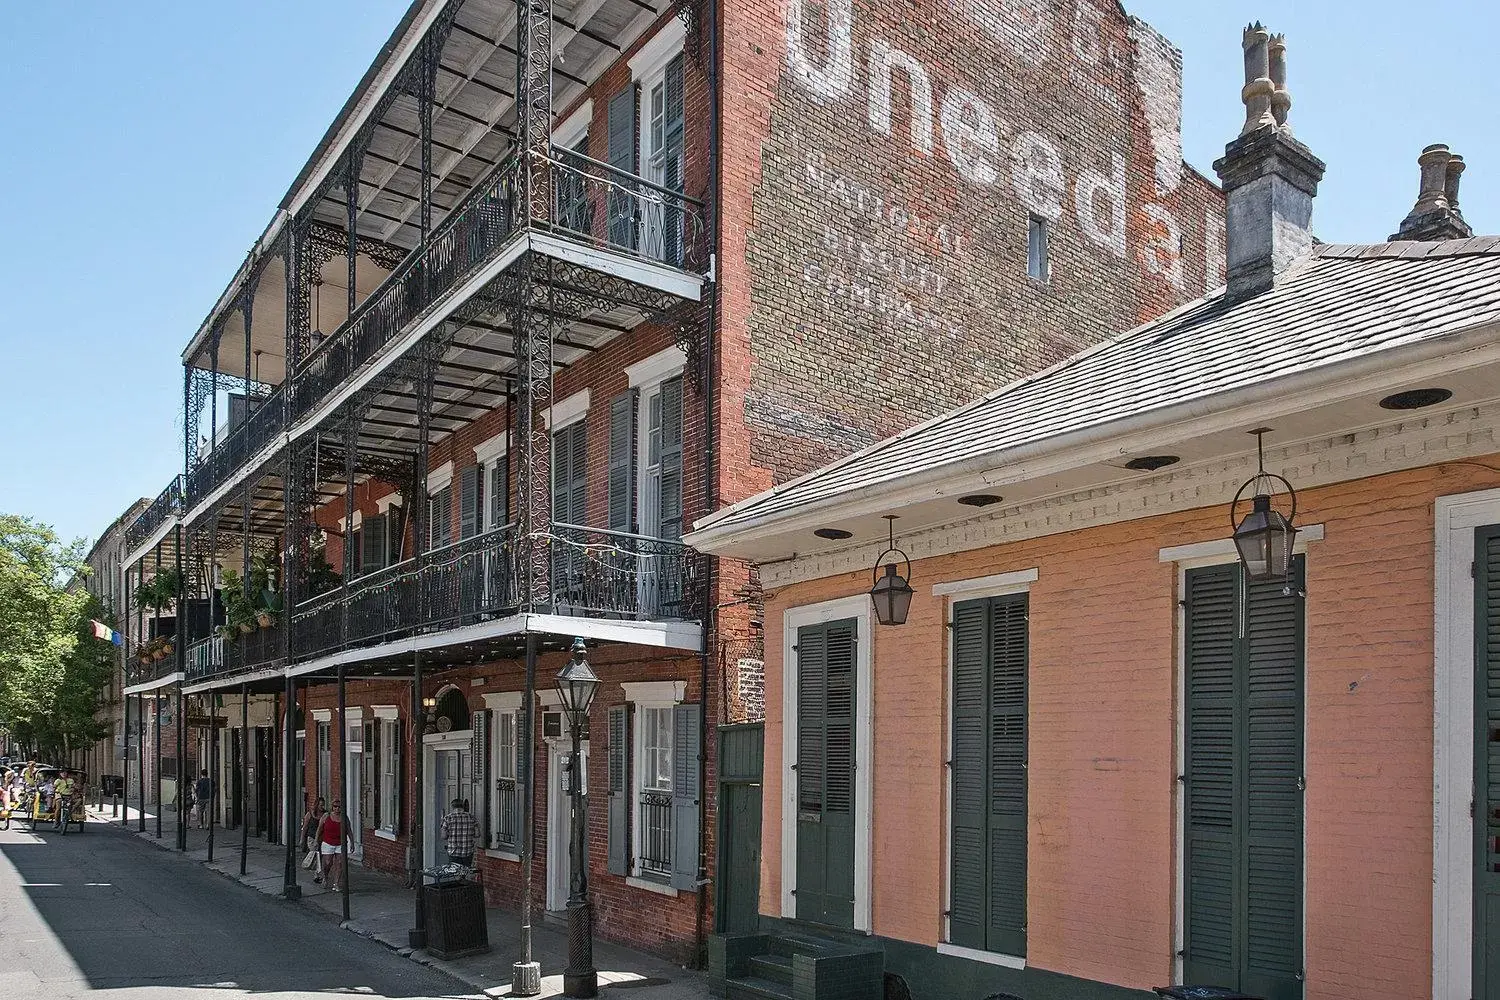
710	493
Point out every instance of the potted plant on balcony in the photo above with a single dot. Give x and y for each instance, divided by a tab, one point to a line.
239	615
269	612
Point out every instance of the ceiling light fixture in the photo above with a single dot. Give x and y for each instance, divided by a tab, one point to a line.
1415	399
1150	463
980	500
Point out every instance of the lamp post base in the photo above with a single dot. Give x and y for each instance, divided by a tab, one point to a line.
416	940
525	979
580	978
291	892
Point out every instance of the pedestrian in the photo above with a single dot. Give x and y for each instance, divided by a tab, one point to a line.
460	830
203	793
333	839
312	815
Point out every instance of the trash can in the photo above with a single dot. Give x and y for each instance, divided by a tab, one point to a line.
456	922
111	785
1203	993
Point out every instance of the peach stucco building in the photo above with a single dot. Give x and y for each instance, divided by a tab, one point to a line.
1098	757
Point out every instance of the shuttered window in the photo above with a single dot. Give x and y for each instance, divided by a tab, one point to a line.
987	878
621	861
1486	761
374	545
669	460
1243	851
470	501
826	676
440	518
622	151
387	814
497	494
622	449
570	474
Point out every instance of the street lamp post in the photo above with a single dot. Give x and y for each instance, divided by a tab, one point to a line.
576	685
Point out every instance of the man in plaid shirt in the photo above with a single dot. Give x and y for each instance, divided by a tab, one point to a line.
460	830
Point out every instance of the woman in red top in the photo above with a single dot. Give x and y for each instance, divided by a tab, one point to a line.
333	836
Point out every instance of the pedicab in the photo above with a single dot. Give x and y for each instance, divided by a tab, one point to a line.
37	801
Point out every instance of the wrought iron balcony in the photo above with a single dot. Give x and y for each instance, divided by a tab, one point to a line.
218	656
266	421
166	504
137	672
205	658
613	574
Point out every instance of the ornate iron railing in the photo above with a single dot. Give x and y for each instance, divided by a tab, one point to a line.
614	574
137	672
466	239
656	834
455	585
204	658
166	504
507	814
266	421
608	207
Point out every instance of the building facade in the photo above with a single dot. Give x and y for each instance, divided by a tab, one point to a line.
1100	755
557	283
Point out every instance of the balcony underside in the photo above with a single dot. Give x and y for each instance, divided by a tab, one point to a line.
588	295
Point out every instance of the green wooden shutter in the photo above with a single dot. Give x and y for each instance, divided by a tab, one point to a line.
1007	778
967	879
826	665
670	505
987	877
374	547
1211	868
1245	710
622	156
561	463
673	148
470	501
686	794
398	820
499	492
812	695
395	533
578	455
622	452
440	518
619	791
1486	911
479	750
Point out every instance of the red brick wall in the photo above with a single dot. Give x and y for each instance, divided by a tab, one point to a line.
1102	831
874	275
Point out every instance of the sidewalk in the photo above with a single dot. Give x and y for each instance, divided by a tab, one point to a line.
381	908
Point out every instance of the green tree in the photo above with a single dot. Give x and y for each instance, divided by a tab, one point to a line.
52	669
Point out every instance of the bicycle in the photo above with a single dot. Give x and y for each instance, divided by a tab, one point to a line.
64	806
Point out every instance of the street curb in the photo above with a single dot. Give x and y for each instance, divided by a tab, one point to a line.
419	958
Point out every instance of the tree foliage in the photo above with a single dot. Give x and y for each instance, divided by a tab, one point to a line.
52	669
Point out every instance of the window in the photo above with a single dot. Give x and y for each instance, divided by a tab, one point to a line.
497	493
1038	262
660	488
662	114
440	518
507	802
573	209
654	779
385	807
325	759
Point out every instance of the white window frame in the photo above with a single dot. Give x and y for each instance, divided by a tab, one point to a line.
386	717
956	592
575	126
566	412
648	68
646	377
648	696
502	705
489	454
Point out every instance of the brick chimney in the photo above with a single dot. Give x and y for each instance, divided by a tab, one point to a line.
1269	177
1435	215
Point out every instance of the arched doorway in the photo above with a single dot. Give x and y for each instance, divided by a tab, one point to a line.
448	767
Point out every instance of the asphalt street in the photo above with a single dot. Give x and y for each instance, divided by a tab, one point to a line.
103	910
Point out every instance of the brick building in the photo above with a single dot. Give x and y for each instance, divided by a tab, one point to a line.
482	367
1105	751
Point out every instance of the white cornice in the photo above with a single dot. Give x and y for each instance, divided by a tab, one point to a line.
1407	443
440	478
567	412
491	448
657	368
575	126
658	49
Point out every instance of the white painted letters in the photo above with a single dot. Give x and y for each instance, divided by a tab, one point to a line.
882	58
831	76
1037	175
1162	253
1104	225
970	136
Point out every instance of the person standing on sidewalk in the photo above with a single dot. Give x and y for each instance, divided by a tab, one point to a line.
203	793
460	830
333	841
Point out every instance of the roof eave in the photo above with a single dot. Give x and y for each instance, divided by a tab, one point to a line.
1090	445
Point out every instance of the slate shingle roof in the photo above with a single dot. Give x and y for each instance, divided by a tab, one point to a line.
1342	302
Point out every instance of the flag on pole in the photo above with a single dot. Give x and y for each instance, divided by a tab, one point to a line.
103	631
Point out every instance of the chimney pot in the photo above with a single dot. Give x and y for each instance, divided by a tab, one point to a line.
1435	215
1269	177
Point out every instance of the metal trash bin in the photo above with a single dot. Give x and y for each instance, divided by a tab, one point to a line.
111	785
456	923
1203	993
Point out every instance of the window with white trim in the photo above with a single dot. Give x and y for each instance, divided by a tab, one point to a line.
506	802
653	778
325	760
662	117
388	775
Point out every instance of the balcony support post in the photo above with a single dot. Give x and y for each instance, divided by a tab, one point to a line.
182	637
213	396
244	775
156	705
356	157
417	936
292	820
216	793
350	786
140	756
352	559
526	975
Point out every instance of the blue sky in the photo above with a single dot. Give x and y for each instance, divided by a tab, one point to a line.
147	144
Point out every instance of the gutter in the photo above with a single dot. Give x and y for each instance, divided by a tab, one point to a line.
1088	445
